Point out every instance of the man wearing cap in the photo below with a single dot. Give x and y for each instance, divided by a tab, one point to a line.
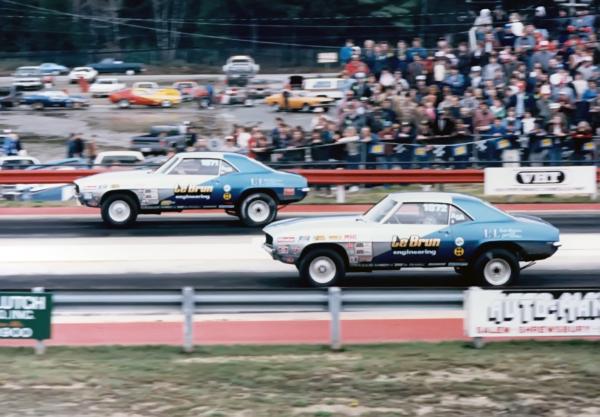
542	56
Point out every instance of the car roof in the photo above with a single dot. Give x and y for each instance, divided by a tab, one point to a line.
431	197
219	155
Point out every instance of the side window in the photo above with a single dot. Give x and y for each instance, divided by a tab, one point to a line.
226	168
458	216
420	213
190	166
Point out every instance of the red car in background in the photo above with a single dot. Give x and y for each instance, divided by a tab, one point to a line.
163	97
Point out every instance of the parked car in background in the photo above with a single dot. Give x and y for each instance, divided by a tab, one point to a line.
235	95
113	66
104	87
191	90
9	97
17	162
325	87
190	180
163	97
44	99
160	140
151	85
298	100
29	78
260	88
50	68
87	73
62	164
109	158
239	69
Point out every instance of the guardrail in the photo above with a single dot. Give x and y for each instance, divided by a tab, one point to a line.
314	176
190	302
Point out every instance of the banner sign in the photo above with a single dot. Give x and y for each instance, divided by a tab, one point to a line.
25	315
540	180
510	313
327	57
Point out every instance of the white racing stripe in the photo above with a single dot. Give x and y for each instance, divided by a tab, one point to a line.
201	254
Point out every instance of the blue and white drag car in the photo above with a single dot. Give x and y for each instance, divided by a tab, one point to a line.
414	230
242	186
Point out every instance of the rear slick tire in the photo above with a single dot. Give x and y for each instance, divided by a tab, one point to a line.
496	268
257	210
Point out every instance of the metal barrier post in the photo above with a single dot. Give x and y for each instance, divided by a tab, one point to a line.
335	307
340	194
40	347
188	308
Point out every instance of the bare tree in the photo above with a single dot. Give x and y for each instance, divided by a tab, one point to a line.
168	20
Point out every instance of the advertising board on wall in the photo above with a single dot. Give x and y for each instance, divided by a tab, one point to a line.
511	313
25	315
540	180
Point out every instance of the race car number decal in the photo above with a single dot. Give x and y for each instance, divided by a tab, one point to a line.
435	208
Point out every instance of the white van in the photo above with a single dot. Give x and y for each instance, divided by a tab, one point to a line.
326	87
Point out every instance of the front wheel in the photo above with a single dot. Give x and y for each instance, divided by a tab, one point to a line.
258	210
306	108
130	72
123	104
322	267
166	104
119	210
496	268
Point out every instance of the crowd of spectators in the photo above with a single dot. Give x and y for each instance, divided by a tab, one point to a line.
521	89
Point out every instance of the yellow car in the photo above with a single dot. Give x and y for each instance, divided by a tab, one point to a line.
164	97
298	100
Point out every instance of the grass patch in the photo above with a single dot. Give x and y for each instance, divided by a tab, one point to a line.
447	379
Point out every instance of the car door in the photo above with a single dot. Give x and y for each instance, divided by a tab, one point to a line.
191	183
415	234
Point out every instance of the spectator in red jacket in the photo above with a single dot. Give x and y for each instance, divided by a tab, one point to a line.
356	66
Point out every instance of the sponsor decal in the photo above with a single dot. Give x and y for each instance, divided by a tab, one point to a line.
303	238
227	196
283	250
193	189
459	251
286	239
335	237
353	259
319	237
166	203
435	208
540	177
227	188
415	241
288	259
295	250
289	191
459	241
502	233
349	237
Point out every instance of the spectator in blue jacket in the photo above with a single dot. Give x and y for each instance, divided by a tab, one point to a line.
456	81
416	49
346	51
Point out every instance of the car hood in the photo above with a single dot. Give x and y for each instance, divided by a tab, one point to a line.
315	225
115	179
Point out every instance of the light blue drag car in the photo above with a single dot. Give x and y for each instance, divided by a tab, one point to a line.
414	230
193	180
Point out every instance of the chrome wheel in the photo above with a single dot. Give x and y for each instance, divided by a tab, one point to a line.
119	211
497	271
166	103
258	211
322	270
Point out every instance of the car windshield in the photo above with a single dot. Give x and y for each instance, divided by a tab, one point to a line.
376	213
